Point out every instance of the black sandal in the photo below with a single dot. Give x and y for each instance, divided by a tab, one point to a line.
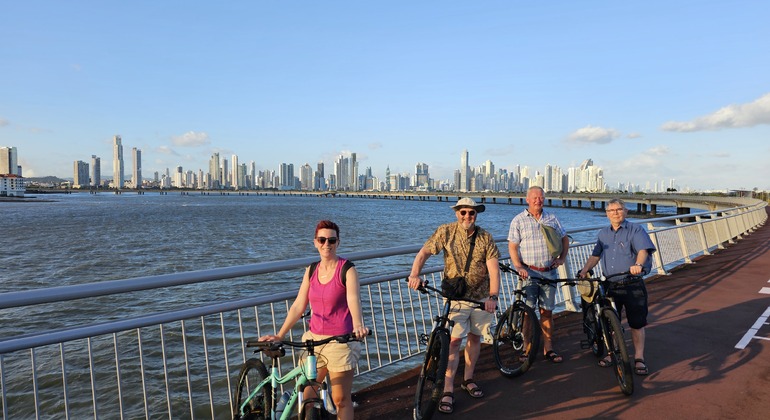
447	407
475	392
553	357
641	371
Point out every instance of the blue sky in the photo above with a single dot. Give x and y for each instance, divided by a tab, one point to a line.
650	91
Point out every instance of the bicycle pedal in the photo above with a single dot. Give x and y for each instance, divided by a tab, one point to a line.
424	339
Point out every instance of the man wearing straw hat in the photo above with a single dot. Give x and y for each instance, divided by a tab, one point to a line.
459	241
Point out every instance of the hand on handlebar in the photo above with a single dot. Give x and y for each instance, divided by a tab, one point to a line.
415	282
270	337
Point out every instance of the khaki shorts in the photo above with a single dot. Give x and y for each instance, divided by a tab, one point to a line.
336	357
469	319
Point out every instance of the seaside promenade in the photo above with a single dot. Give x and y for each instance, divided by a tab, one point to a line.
708	350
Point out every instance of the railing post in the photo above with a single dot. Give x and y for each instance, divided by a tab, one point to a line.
702	235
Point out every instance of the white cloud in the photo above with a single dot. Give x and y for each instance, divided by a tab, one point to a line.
165	150
633	135
598	135
731	116
191	139
658	151
4	122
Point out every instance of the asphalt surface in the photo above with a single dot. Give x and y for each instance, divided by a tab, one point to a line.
708	351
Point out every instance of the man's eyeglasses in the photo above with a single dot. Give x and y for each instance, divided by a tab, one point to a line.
322	240
468	212
615	210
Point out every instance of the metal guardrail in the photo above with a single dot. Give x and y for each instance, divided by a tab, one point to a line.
181	364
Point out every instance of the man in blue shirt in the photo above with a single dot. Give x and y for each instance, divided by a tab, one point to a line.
625	247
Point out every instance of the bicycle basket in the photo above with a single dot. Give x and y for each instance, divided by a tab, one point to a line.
587	290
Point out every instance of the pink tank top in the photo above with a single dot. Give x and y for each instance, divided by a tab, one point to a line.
329	305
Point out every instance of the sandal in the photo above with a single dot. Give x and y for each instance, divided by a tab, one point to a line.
553	356
641	371
474	392
447	407
606	362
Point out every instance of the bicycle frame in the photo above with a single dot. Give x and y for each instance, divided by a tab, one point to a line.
304	375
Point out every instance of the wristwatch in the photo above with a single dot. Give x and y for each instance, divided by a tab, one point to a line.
493	297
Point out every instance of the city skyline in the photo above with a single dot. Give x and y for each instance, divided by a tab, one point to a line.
649	92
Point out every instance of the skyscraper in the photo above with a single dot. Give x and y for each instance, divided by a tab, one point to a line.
9	161
117	162
136	174
216	180
80	174
96	171
465	170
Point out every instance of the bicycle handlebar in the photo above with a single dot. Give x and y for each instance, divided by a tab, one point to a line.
277	345
424	288
542	280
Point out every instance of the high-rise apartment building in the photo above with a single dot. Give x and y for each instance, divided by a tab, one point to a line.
465	171
353	178
96	171
80	174
118	177
136	173
421	175
216	180
9	161
235	181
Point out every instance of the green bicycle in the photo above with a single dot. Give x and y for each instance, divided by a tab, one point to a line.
260	403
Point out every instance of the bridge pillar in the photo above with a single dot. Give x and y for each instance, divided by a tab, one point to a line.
654	209
580	203
550	202
593	205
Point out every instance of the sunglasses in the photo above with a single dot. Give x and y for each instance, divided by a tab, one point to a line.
468	212
322	240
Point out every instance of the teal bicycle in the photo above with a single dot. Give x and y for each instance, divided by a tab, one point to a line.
260	403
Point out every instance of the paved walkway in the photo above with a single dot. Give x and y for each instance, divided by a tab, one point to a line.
705	362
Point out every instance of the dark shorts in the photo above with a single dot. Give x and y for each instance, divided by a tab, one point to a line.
632	297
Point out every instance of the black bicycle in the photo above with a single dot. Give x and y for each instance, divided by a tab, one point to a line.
516	339
601	324
430	384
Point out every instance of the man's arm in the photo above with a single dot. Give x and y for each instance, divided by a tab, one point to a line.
419	262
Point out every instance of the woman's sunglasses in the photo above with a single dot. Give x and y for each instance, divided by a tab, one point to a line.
323	240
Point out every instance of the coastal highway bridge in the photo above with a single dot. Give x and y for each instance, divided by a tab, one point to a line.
181	363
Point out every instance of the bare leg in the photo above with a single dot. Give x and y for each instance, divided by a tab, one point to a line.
472	350
637	336
342	386
454	360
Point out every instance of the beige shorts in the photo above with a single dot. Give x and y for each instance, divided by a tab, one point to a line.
469	319
336	357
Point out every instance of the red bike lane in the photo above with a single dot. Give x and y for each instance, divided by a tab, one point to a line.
707	347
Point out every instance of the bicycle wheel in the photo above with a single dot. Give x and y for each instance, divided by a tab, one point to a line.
257	408
592	328
616	345
516	340
313	409
430	385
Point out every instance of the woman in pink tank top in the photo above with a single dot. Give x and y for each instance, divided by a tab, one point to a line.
335	310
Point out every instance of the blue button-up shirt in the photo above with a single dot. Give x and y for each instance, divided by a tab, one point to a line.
618	248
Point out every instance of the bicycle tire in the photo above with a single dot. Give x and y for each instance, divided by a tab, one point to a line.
516	340
616	346
593	331
314	410
252	373
430	384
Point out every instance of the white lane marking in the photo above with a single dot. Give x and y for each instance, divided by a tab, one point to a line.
752	332
765	290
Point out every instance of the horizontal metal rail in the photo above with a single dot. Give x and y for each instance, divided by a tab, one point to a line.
182	363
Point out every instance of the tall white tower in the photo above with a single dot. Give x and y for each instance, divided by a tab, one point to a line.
117	162
136	175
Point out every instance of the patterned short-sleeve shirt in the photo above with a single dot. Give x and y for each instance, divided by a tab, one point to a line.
455	242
